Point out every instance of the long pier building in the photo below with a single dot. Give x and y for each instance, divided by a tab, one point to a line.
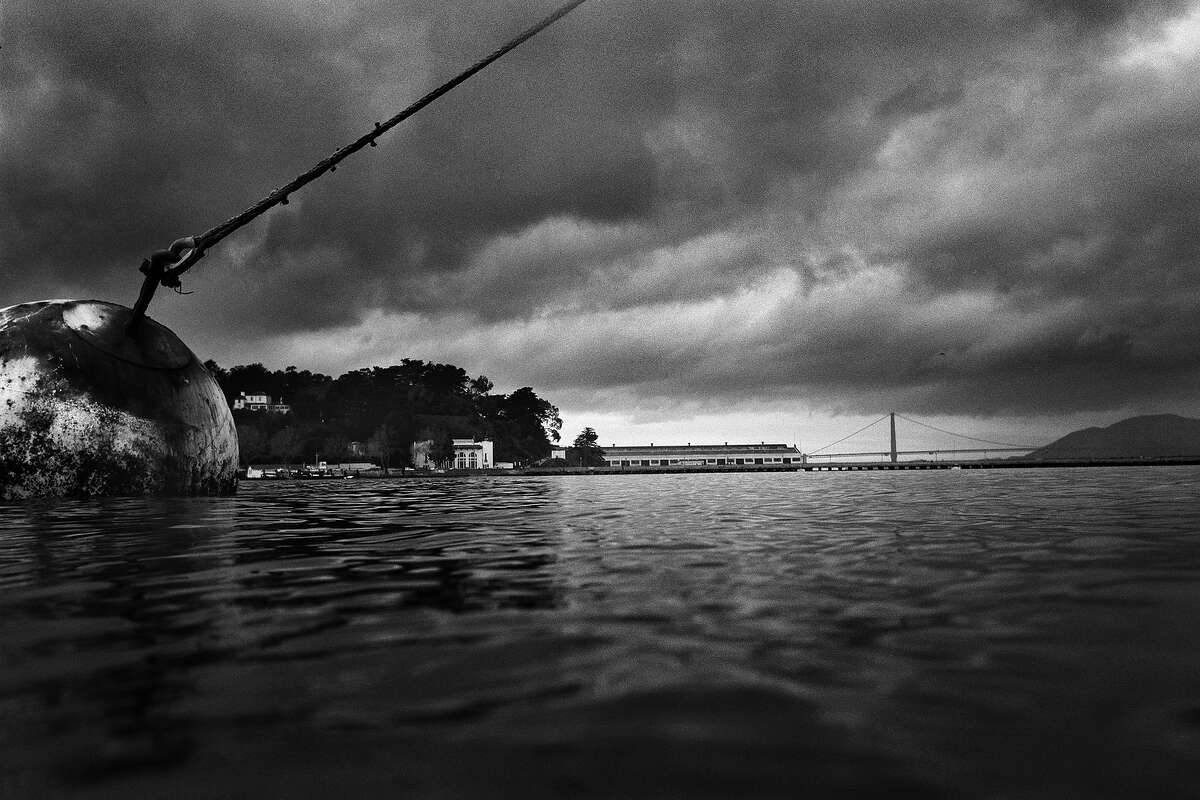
702	455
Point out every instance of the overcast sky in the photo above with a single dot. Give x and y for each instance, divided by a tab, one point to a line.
677	221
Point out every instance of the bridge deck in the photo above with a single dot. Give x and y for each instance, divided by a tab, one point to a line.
866	466
1006	463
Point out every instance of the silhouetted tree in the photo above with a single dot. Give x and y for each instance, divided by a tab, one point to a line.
415	399
441	452
252	444
334	447
584	451
480	386
219	374
390	441
285	445
522	424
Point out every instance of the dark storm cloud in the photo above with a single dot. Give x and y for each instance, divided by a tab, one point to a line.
1099	13
974	207
131	124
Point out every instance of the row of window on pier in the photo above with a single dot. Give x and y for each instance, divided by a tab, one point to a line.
699	462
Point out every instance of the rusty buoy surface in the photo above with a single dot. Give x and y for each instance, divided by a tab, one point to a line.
87	409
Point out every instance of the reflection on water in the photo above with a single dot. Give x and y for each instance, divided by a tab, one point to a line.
1011	634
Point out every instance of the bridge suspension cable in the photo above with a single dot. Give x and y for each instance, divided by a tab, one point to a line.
851	436
961	435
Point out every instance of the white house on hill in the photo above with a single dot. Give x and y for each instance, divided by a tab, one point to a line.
258	401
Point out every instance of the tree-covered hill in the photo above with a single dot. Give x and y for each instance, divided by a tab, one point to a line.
384	409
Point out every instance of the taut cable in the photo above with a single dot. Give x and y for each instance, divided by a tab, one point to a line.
165	266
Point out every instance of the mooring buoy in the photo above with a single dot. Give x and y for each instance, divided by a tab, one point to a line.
90	408
98	399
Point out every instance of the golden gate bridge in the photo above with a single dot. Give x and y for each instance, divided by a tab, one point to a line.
893	454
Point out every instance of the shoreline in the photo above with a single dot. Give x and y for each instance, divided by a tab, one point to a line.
845	466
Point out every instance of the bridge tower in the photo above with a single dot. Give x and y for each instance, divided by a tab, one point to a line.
893	418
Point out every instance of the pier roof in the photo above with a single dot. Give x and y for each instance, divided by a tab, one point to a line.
697	449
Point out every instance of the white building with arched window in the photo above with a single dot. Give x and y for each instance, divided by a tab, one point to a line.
468	454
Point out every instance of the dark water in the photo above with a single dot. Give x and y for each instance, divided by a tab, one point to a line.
1013	634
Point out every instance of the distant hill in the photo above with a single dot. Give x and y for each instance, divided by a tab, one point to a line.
1153	436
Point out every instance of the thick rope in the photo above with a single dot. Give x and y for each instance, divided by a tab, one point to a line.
165	266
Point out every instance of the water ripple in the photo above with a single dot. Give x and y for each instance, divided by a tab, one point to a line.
1018	633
